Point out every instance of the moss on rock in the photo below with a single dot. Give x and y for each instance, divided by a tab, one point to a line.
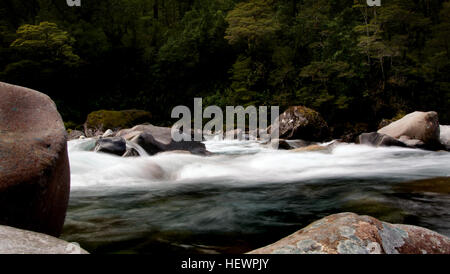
111	119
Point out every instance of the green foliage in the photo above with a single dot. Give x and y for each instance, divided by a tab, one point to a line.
46	39
252	22
351	62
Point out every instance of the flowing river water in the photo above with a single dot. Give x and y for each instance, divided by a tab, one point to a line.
245	196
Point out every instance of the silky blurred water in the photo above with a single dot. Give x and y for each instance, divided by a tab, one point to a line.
245	196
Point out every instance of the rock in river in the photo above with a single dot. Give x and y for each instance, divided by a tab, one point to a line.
349	233
18	241
159	139
111	145
34	166
423	126
378	139
300	122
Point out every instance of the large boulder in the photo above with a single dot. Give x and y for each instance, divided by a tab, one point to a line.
101	120
111	145
379	140
423	126
445	136
34	166
18	241
348	233
303	123
159	139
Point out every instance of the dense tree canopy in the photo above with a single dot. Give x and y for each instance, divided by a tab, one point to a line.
351	62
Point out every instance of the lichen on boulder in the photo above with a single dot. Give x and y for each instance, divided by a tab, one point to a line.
299	122
18	241
111	119
349	233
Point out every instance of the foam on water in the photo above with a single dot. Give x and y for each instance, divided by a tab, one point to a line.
244	196
252	163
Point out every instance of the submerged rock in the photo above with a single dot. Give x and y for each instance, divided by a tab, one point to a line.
418	125
349	233
34	166
300	122
113	145
379	140
158	139
18	241
439	185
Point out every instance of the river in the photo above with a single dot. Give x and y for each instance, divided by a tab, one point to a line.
245	196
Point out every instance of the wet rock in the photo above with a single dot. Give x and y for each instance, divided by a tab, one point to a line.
379	140
18	241
112	145
131	152
300	122
418	125
158	139
34	166
108	133
349	233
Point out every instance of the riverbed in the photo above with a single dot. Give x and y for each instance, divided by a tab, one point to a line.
246	195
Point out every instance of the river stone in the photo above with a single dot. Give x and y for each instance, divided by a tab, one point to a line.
108	133
18	241
113	145
379	140
299	122
349	233
34	166
158	139
418	125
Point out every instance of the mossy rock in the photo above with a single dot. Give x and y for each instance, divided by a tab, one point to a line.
299	122
111	119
